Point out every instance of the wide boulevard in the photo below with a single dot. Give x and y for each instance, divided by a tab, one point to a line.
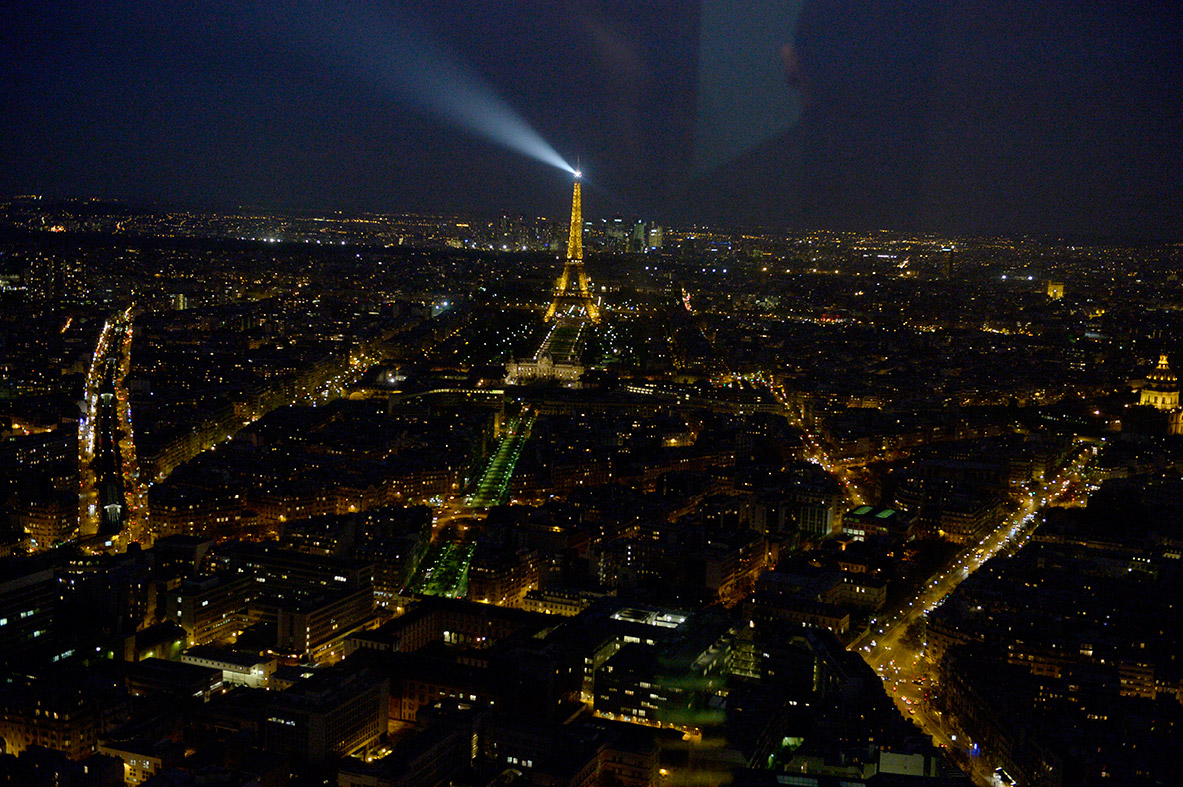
899	658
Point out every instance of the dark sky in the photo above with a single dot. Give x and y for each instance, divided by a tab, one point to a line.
951	117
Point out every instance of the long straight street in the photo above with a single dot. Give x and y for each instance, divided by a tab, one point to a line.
899	657
816	452
112	498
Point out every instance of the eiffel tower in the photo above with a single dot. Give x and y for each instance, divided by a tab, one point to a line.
571	289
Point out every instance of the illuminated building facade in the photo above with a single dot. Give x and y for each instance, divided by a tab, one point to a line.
27	601
1161	392
239	668
49	519
1162	387
210	609
335	712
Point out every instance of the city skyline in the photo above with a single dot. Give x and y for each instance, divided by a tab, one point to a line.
792	499
738	392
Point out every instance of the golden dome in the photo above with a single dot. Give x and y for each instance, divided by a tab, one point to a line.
1162	378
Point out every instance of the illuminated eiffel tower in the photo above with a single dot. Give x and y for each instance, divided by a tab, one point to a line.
571	288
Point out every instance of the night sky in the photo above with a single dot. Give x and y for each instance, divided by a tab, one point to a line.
949	117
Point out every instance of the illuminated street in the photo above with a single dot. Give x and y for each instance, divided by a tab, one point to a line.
816	452
899	658
113	499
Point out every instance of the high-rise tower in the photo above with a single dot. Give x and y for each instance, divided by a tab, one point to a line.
571	290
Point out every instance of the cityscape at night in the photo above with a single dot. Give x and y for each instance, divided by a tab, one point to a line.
769	393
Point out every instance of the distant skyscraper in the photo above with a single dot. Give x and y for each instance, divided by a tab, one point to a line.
617	234
571	290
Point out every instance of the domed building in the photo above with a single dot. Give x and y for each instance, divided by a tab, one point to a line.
1162	387
1161	392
